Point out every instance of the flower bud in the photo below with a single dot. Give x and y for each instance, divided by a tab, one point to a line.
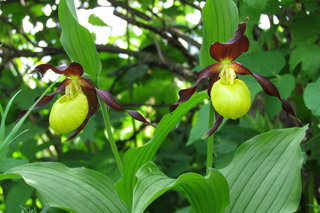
231	101
67	113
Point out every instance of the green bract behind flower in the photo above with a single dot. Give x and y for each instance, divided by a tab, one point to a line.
231	101
68	114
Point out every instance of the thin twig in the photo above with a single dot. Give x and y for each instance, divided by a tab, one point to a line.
172	38
130	9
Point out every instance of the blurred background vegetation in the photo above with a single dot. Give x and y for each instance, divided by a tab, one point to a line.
149	50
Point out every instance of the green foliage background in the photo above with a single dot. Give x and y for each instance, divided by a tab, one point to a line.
145	73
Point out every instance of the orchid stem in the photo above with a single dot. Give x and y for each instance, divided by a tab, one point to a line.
110	136
210	142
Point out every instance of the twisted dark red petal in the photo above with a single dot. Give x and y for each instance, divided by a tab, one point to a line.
78	130
266	85
217	123
231	49
210	71
212	80
90	92
109	100
47	98
74	69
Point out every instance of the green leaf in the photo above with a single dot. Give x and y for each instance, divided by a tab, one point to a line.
77	40
8	163
17	196
13	132
304	28
183	210
95	20
136	73
264	175
201	126
311	97
4	116
136	157
205	194
285	85
257	5
220	21
76	189
316	207
309	56
264	63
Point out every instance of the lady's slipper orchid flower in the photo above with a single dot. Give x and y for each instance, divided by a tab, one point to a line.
229	95
73	110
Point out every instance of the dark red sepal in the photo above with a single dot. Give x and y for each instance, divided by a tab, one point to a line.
47	98
231	49
136	115
74	69
109	100
217	123
90	92
185	94
266	85
212	80
78	130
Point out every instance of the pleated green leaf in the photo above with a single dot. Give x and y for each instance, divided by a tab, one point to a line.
77	40
220	21
264	175
74	189
205	194
136	157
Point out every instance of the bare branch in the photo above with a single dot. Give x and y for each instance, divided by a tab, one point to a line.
172	38
144	57
3	19
130	9
191	4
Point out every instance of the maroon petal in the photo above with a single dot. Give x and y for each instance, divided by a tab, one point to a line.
266	85
74	69
212	80
216	125
210	71
231	49
78	130
47	98
136	115
90	92
109	100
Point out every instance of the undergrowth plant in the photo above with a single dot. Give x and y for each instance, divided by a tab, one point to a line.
264	174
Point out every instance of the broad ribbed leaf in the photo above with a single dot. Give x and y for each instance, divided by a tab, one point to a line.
264	175
75	189
77	40
220	21
205	194
136	157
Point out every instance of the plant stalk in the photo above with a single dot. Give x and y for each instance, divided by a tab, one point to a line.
210	141
110	136
310	193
